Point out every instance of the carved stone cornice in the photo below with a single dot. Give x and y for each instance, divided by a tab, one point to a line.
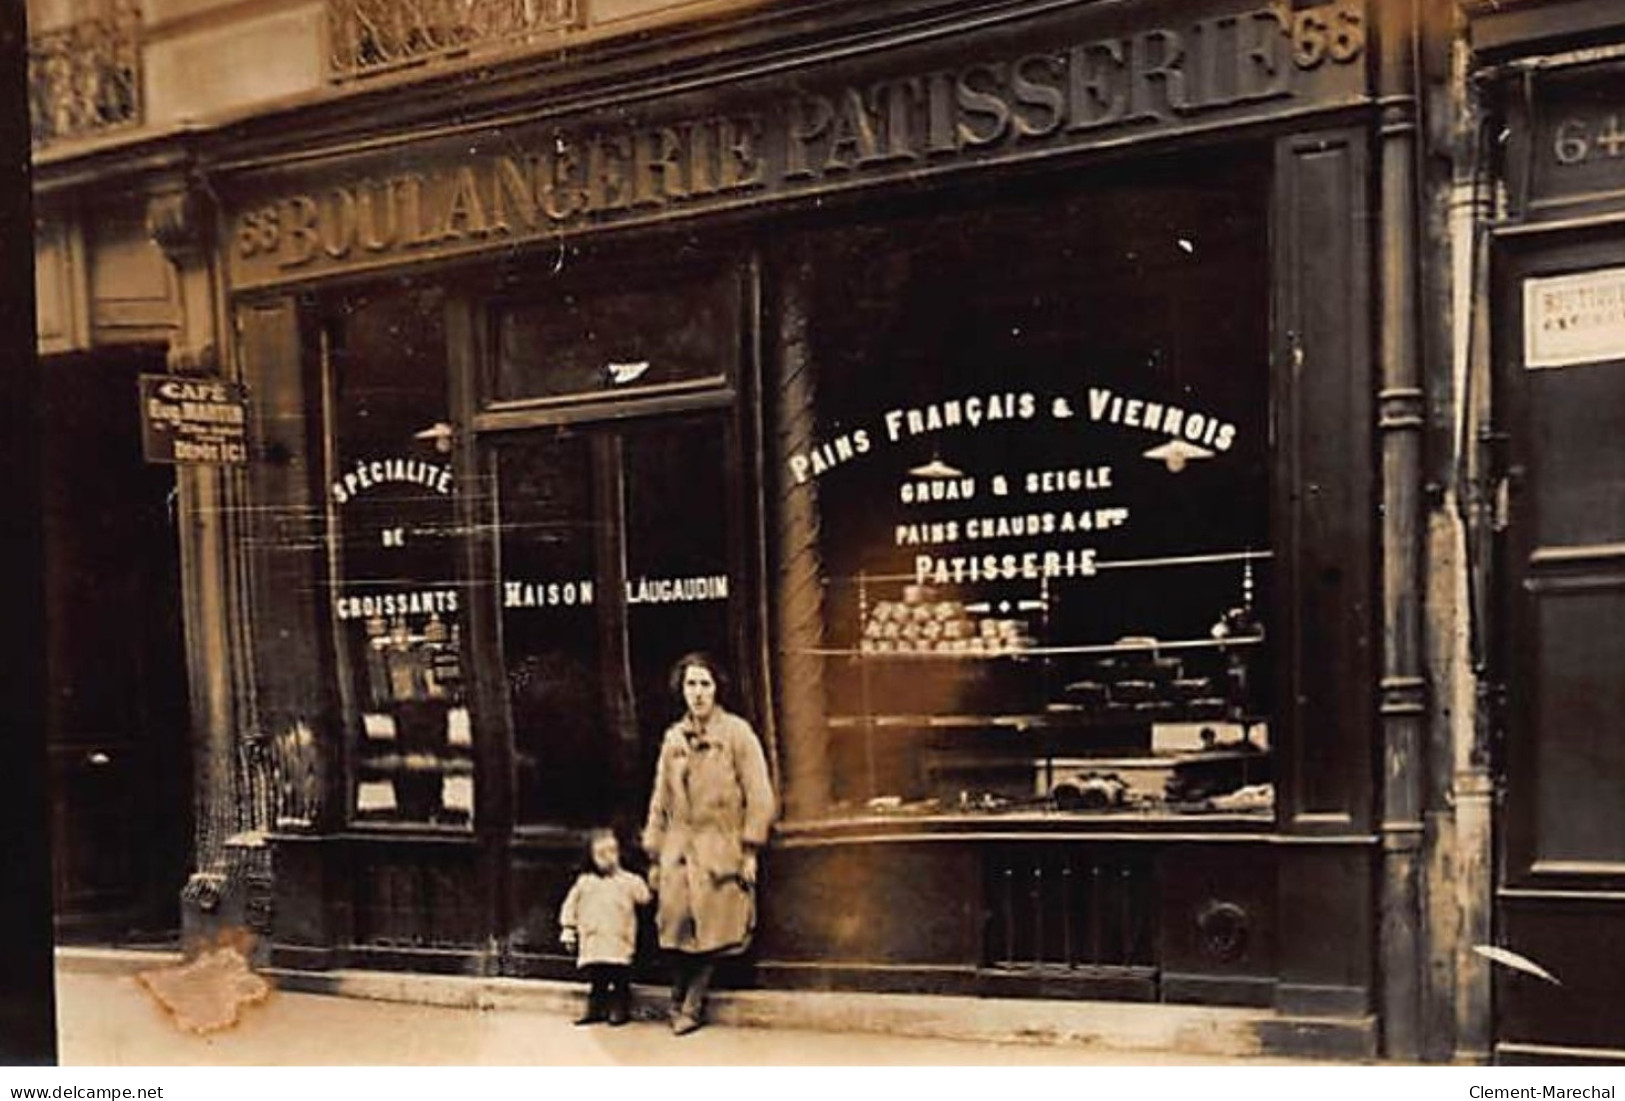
185	360
178	223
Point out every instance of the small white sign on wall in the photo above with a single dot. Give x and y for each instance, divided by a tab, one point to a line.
1574	319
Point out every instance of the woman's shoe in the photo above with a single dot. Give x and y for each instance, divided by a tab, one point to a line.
683	1024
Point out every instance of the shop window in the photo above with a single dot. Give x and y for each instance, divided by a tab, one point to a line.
1039	445
612	341
395	603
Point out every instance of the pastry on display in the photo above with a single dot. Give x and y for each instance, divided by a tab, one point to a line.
924	622
1090	791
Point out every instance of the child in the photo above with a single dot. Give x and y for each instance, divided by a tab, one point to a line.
599	920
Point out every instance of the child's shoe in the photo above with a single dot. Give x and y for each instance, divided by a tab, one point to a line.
594	1014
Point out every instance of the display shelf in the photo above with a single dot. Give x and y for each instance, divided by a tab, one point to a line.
854	826
1054	719
976	697
1217	558
416	763
953	722
1092	650
1162	759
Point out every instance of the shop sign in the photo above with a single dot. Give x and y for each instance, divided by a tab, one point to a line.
1574	319
639	590
1067	88
193	420
991	511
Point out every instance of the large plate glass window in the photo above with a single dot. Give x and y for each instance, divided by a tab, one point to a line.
1040	454
395	603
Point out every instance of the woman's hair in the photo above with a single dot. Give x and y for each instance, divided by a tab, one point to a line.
704	661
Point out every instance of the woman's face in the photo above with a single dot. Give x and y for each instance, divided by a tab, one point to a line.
699	691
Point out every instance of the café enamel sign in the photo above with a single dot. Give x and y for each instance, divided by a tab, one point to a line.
193	420
1071	81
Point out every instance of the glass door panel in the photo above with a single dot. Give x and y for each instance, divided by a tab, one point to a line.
565	763
681	578
617	557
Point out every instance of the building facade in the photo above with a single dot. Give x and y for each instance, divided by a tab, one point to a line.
1088	433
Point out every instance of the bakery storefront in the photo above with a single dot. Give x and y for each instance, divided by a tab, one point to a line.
993	391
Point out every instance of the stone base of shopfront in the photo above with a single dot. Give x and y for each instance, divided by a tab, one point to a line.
1166	940
1100	1026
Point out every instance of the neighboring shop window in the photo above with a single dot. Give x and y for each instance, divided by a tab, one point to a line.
395	601
1041	462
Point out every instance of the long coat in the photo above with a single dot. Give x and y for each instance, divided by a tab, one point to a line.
712	799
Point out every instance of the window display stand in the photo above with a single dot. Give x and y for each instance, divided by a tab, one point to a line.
962	711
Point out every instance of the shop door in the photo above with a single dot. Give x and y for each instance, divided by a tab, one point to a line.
617	554
1561	895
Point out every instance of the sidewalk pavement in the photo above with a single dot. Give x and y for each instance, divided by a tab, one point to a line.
109	1019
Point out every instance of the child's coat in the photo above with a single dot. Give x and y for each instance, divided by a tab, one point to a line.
603	910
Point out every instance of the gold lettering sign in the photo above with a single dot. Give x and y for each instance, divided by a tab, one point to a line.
532	182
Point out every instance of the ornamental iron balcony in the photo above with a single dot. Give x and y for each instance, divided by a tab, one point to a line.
84	78
370	36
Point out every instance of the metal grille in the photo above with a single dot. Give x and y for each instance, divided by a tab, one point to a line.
370	36
85	78
1055	906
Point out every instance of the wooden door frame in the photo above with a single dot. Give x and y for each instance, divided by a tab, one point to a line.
479	434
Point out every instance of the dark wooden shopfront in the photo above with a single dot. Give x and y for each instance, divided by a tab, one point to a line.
544	399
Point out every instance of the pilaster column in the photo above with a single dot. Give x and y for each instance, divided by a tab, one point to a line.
1472	788
226	802
1403	699
799	580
